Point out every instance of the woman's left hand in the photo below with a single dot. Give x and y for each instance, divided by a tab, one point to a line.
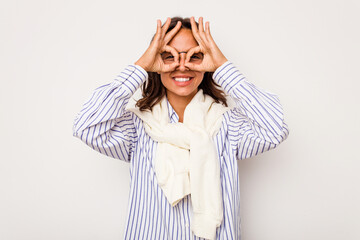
213	57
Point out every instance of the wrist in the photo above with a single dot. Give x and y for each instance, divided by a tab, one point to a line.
220	62
141	64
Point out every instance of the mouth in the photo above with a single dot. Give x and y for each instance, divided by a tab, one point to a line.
182	79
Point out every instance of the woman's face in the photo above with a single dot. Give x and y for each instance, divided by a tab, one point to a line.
183	82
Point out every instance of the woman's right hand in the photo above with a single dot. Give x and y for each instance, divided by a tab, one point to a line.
151	60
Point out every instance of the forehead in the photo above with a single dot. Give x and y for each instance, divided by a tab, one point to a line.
183	40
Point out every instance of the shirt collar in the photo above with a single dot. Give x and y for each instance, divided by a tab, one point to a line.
174	118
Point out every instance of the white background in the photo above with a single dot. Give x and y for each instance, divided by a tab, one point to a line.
53	54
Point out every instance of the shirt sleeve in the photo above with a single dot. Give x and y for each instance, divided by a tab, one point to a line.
256	123
103	123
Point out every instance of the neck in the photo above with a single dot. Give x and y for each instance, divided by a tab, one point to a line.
179	104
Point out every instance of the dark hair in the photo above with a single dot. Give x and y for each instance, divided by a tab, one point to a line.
153	90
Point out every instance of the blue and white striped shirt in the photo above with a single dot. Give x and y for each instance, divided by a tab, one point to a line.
253	126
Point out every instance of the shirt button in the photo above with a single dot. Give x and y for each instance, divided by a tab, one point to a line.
187	225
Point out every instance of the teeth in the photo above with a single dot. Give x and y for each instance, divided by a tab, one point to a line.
181	79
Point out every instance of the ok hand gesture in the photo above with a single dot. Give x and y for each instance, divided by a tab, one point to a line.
151	60
213	57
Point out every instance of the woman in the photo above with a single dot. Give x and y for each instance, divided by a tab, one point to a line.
181	139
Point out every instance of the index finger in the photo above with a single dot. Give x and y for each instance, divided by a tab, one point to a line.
191	52
172	50
165	27
171	34
195	30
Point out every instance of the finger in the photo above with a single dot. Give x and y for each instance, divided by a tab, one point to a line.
172	67
207	31
207	27
195	30
169	67
172	50
158	29
191	52
175	64
201	29
201	24
165	27
194	67
172	33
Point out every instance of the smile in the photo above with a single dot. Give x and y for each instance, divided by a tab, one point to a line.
182	79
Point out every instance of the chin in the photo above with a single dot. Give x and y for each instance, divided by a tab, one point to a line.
185	93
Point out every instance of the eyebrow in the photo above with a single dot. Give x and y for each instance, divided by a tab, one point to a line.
170	52
178	52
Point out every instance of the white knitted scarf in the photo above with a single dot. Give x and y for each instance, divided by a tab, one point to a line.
186	161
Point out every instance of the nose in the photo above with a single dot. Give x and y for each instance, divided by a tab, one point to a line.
182	57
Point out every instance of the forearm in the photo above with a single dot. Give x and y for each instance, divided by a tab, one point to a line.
95	123
260	109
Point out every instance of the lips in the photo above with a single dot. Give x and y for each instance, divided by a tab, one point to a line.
182	78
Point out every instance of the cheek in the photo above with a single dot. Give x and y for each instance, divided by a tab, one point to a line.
164	78
200	77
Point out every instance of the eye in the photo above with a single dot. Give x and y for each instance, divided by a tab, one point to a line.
197	57
167	57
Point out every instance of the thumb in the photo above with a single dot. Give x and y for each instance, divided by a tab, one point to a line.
194	67
170	67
